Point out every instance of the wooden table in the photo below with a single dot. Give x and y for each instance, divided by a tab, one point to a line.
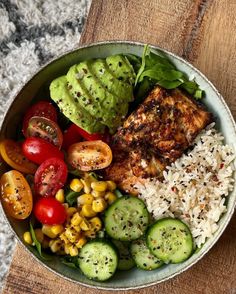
203	32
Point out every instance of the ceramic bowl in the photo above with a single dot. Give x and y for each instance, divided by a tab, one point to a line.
38	86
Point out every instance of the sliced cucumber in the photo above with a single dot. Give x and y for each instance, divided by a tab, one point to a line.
126	219
170	240
98	260
143	257
126	261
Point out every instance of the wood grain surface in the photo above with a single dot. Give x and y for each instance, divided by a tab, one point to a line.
204	32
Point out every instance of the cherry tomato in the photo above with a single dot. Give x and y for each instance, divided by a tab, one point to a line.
71	136
89	155
49	211
42	109
87	136
45	129
11	152
38	150
16	195
50	177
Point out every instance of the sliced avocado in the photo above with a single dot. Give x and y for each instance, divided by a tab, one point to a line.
102	72
70	107
121	68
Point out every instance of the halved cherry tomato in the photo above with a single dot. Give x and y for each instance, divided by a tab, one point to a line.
16	195
42	109
38	150
46	129
50	177
12	153
89	155
49	211
71	136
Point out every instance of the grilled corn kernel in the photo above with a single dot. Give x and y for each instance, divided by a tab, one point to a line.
60	196
67	248
85	199
71	235
45	243
99	186
27	238
39	235
99	205
47	230
87	210
55	245
90	234
111	185
57	229
110	197
77	228
81	242
96	224
70	211
76	219
86	185
85	225
76	185
97	194
64	238
73	250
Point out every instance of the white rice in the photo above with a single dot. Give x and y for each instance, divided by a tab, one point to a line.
195	186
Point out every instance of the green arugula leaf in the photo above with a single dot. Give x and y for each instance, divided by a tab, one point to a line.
118	193
70	261
146	52
169	84
38	245
71	197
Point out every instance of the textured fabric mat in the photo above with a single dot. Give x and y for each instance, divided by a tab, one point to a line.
31	33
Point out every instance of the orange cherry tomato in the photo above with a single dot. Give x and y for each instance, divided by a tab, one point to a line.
89	155
12	154
16	195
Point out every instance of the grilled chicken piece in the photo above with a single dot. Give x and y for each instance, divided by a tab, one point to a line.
154	136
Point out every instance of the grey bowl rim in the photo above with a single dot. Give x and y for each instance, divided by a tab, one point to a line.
182	60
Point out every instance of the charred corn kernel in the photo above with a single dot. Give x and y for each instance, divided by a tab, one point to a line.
90	234
81	242
110	197
76	219
57	229
87	185
71	210
73	250
47	230
71	235
76	185
99	186
97	194
60	196
85	199
27	238
85	225
77	228
87	210
55	245
45	243
99	205
111	185
39	235
67	248
64	238
96	224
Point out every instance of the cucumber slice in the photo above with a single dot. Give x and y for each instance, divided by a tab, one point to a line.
143	257
126	219
126	261
98	260
170	240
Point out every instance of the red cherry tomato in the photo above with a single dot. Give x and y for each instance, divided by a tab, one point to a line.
38	150
50	177
42	109
45	129
49	211
92	137
71	136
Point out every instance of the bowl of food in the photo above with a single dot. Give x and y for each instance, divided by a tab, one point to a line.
117	165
